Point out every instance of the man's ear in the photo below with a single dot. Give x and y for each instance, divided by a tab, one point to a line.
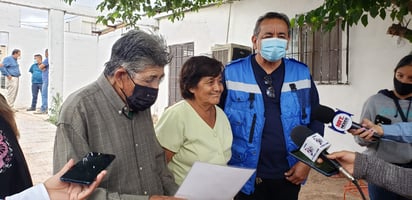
119	77
287	44
254	40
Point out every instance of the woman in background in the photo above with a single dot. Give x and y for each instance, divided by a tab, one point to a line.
395	105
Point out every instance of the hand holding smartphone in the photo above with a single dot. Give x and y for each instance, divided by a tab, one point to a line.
86	170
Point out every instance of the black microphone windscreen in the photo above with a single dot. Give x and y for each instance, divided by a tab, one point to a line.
323	114
299	134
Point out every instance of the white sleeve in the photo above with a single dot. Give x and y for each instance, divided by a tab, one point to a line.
37	192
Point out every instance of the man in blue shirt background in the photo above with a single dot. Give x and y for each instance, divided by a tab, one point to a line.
45	77
10	69
36	80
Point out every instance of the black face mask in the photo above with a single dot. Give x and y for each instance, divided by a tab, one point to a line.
142	98
402	88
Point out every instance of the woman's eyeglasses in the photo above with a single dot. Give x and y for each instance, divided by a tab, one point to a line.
270	91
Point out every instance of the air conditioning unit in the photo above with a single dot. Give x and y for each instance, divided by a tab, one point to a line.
228	52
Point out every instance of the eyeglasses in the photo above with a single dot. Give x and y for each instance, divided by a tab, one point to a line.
270	91
148	80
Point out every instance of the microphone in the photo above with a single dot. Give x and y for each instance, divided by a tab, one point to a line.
311	143
341	121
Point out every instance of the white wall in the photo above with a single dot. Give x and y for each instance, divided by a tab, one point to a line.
29	41
81	58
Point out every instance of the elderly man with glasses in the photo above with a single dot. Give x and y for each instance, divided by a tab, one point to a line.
112	115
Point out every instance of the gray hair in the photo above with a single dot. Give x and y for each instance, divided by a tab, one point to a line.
135	51
271	15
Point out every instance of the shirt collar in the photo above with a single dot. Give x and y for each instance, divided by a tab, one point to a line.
114	99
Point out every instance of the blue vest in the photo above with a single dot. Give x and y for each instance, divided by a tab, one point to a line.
244	108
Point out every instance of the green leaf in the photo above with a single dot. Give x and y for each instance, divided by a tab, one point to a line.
364	20
393	15
374	11
382	13
301	20
293	22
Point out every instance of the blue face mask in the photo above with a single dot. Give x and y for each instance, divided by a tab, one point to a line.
273	49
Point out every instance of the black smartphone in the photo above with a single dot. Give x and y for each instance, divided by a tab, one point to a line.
379	119
86	170
325	168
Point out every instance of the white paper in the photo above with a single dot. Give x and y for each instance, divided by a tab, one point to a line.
213	182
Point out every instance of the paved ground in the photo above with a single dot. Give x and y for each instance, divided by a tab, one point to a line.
37	140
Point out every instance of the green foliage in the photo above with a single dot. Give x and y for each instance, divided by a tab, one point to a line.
55	107
350	12
131	11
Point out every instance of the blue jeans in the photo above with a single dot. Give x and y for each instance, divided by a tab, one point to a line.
44	91
35	89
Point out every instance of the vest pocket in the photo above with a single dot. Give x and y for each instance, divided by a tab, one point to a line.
246	130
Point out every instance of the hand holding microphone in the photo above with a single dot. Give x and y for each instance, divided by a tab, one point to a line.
341	121
313	146
345	158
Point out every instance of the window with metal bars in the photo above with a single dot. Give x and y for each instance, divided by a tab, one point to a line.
180	53
321	50
3	54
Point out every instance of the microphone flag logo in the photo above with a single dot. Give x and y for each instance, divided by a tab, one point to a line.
313	146
341	122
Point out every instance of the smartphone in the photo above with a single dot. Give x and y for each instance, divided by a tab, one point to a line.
325	168
86	170
379	119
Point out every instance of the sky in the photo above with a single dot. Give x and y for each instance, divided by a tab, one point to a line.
37	18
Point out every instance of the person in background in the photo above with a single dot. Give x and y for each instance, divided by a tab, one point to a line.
10	69
112	115
15	179
394	105
375	170
36	81
45	86
196	129
266	96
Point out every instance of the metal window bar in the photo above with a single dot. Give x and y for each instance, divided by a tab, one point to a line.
321	51
180	53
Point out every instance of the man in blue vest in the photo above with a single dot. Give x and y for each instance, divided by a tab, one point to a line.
266	96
